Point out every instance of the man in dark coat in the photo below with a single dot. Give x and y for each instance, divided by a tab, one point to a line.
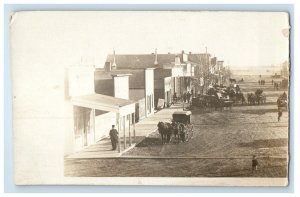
188	96
113	133
254	163
280	104
284	96
184	97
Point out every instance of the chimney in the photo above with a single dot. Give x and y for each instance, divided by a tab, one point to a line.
177	60
114	65
155	61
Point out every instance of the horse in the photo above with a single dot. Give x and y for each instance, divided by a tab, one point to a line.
260	98
281	103
165	130
232	80
257	98
175	131
212	99
240	97
213	102
182	133
251	99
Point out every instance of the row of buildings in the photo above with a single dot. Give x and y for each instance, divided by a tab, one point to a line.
129	88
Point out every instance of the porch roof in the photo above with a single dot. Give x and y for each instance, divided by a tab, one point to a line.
105	103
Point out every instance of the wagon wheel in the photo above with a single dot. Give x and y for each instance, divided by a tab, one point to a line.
191	130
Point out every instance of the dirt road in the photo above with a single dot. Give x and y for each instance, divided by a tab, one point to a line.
223	145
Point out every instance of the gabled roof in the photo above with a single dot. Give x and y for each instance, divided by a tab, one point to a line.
141	60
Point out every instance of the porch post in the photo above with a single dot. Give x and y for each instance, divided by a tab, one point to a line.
180	90
119	141
134	128
124	131
94	125
130	119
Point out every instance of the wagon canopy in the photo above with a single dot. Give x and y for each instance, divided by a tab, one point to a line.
187	113
182	116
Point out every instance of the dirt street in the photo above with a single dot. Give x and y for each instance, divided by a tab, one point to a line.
222	145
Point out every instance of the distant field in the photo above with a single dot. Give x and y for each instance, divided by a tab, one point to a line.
257	70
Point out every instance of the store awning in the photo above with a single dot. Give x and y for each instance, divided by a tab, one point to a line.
105	103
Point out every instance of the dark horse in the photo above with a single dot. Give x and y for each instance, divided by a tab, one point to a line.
165	130
175	131
182	133
239	97
179	132
232	80
257	98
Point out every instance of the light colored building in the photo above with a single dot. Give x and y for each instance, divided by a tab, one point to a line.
91	115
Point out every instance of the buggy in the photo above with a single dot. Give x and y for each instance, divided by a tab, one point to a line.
183	120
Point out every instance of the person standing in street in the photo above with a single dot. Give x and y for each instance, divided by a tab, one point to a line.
184	97
254	163
279	106
174	98
113	133
188	95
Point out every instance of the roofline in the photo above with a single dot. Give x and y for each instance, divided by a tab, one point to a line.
83	102
121	75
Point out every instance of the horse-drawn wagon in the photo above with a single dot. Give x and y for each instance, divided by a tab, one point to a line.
258	97
217	100
182	120
282	102
180	128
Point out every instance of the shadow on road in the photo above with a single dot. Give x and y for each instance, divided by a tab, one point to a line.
281	142
150	141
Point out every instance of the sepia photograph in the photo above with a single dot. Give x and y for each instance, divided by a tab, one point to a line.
158	97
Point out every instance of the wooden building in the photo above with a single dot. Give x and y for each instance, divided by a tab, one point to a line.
172	73
91	115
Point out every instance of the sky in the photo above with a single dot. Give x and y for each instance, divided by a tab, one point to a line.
67	38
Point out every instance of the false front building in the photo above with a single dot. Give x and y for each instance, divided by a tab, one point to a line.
91	115
172	74
139	85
